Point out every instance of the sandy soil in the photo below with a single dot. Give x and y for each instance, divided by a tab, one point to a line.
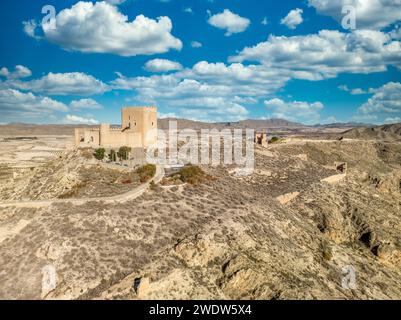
33	151
228	238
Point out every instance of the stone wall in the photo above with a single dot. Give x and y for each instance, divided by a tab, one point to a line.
139	130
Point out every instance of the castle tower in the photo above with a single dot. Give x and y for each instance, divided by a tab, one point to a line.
139	130
141	120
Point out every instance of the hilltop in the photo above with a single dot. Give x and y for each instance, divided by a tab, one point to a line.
389	131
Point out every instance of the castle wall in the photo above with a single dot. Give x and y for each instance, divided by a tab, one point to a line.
149	130
104	134
117	139
79	135
139	130
87	137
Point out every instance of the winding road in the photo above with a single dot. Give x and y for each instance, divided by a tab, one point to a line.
130	195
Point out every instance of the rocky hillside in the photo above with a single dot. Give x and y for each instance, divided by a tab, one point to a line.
74	174
390	131
281	233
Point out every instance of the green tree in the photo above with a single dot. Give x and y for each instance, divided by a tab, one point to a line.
99	153
113	155
123	153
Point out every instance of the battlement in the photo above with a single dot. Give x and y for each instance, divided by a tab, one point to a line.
152	108
138	130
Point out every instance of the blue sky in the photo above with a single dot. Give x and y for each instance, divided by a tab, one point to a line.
221	60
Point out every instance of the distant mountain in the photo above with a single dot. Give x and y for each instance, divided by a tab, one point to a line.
278	126
250	124
270	123
13	129
343	125
388	131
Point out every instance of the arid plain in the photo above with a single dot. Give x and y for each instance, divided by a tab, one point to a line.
285	232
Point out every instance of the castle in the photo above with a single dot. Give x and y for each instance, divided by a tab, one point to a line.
138	130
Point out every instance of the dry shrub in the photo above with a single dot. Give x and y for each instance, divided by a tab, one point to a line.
87	153
193	175
146	172
274	140
73	192
327	250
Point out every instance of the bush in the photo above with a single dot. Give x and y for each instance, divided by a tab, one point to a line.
87	153
123	153
192	174
274	140
327	251
99	153
146	172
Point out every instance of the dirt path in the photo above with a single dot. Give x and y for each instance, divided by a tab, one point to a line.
136	192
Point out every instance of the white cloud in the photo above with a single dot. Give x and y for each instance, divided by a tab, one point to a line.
293	18
30	27
189	10
100	28
162	65
356	91
386	100
207	90
210	108
265	22
371	14
85	104
326	54
19	72
115	2
77	119
344	87
166	115
392	120
4	72
75	83
196	44
209	79
14	102
305	112
230	22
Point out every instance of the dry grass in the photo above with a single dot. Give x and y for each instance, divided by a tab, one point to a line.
146	172
193	175
236	240
87	153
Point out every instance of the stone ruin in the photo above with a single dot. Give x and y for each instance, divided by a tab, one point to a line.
261	139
